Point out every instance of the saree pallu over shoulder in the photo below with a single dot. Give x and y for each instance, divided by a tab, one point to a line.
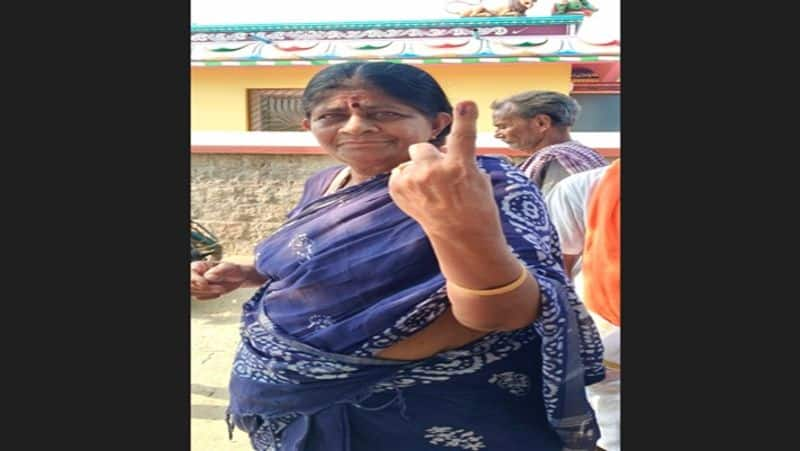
351	274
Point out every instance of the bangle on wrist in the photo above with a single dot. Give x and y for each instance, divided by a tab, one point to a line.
500	290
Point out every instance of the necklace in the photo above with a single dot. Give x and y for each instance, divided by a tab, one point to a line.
340	181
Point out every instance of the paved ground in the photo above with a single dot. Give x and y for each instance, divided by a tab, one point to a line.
214	336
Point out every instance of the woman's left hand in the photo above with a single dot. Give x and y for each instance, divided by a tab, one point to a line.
445	191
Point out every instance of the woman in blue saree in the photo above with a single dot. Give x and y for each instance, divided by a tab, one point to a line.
415	298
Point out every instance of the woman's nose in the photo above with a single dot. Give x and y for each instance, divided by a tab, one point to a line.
357	124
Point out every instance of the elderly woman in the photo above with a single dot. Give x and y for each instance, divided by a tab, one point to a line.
415	297
538	123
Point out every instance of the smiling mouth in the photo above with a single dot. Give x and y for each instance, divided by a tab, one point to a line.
362	143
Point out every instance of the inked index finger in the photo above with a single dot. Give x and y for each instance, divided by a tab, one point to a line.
461	140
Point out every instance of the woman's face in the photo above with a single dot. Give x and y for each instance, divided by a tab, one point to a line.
368	130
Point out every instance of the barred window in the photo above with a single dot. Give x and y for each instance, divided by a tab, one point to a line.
598	94
600	112
275	110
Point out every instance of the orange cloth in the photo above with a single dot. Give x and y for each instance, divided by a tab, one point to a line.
601	251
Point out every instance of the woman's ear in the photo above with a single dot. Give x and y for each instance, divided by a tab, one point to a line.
440	122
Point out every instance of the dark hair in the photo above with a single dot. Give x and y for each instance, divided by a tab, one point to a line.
562	109
408	84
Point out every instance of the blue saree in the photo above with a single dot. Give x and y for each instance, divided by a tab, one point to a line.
350	274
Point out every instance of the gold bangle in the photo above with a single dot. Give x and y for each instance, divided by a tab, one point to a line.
495	291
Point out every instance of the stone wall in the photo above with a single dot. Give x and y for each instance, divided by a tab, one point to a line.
244	198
